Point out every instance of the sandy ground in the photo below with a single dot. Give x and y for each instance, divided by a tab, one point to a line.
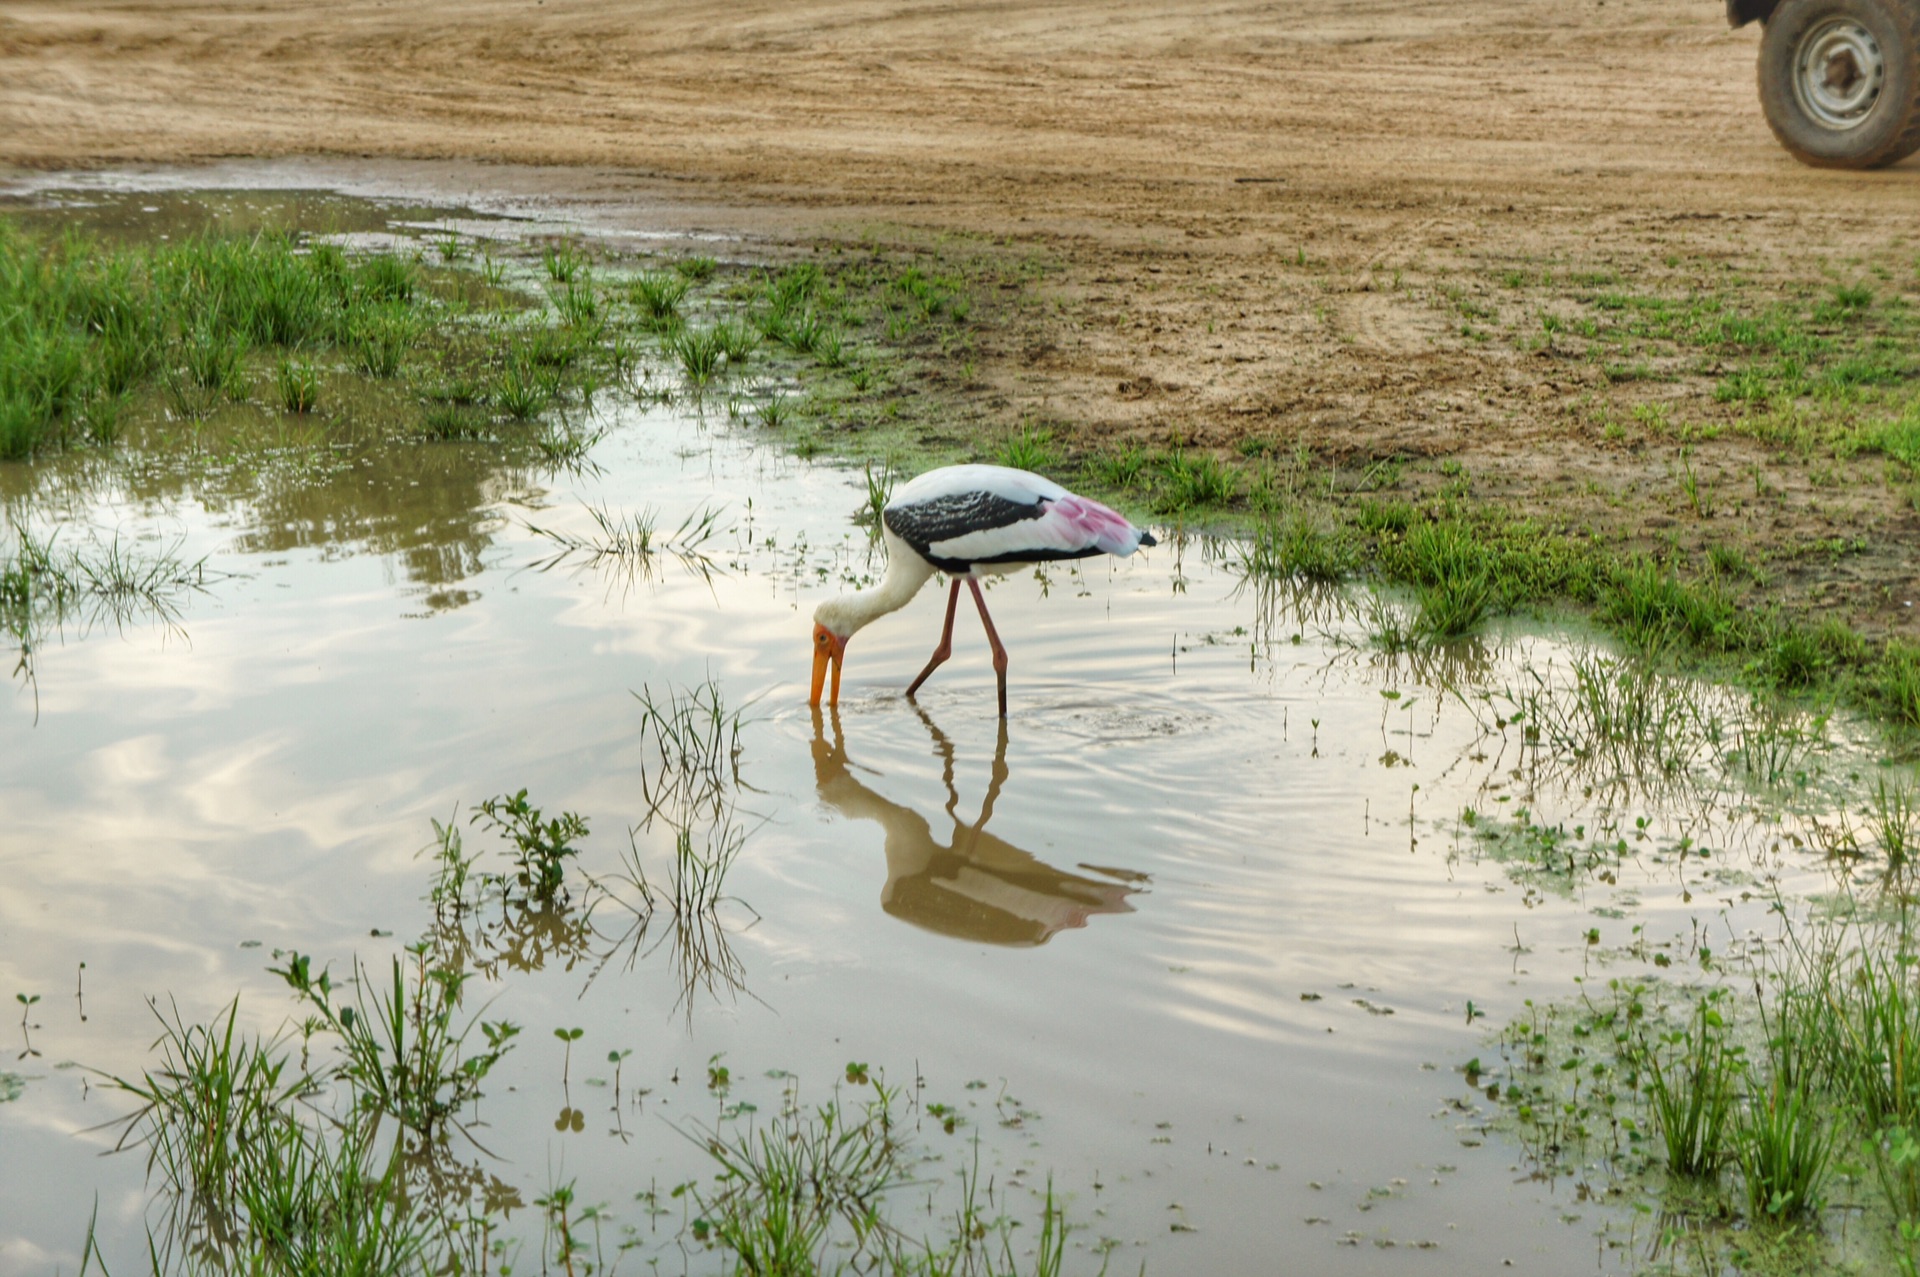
1259	208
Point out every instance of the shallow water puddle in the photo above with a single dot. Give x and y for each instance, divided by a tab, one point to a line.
1195	933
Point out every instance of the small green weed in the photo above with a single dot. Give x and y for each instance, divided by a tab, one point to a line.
879	491
658	294
1031	449
564	262
1189	481
216	359
542	847
1124	467
378	339
774	411
696	752
298	385
736	341
1691	1084
697	270
404	1051
699	353
520	392
1782	1151
454	421
1453	606
1297	546
1895	682
1892	817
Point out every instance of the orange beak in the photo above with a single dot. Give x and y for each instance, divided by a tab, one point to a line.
828	649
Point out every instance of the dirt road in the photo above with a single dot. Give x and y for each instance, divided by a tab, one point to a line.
1276	221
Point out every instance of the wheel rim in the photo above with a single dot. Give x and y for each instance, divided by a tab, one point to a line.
1838	73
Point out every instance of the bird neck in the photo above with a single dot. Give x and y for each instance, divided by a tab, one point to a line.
906	573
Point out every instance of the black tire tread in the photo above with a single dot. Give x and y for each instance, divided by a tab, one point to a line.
1776	95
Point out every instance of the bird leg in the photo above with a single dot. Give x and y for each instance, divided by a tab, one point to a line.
941	653
999	776
993	640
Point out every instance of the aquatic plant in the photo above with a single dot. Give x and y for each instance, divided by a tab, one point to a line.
298	385
1389	627
1622	717
931	294
215	358
871	514
386	277
699	353
736	341
1895	682
1654	610
84	324
564	261
1783	1151
1453	606
1831	1088
658	295
521	392
283	1163
454	421
806	1192
773	412
798	327
46	585
695	880
785	1192
1892	816
578	305
567	446
828	345
541	846
553	348
634	540
1691	1083
403	1050
1296	546
695	742
1773	741
696	269
253	1173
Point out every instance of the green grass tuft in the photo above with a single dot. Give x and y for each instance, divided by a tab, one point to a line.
1691	1084
1188	482
658	295
298	385
1895	682
454	421
699	352
1029	450
1297	546
1123	468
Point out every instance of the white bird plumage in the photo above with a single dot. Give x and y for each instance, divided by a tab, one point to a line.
967	521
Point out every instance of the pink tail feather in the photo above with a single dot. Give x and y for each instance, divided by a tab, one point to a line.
1100	526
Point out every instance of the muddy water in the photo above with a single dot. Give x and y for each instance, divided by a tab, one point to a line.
1194	933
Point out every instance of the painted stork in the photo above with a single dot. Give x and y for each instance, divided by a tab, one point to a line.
967	521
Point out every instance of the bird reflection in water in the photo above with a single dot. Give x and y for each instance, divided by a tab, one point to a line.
974	886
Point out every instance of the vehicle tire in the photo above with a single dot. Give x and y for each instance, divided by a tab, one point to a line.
1840	80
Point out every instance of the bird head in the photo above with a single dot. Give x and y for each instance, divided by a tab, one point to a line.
828	648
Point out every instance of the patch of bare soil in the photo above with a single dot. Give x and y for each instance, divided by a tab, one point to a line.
1280	222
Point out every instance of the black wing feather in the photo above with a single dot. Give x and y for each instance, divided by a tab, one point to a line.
923	524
